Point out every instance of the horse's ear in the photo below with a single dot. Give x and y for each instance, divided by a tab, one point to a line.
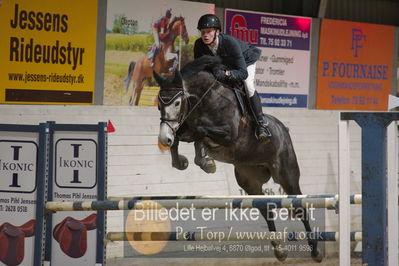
160	80
178	80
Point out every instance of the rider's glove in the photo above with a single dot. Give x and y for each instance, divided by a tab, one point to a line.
219	74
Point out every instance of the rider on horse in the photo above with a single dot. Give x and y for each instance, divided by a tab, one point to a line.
240	59
160	31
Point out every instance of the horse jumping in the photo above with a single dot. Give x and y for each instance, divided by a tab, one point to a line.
165	60
196	107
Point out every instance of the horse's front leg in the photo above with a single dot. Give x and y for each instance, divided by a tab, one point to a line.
178	161
201	159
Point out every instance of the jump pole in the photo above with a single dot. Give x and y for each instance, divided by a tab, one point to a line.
220	203
354	198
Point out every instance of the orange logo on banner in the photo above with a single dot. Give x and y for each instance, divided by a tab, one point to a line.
142	221
355	66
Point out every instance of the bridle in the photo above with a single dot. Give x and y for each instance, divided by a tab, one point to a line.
186	107
161	101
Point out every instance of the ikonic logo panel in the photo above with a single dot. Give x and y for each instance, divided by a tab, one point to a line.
18	162
76	163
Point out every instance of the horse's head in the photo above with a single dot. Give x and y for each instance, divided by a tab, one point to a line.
174	100
178	25
172	104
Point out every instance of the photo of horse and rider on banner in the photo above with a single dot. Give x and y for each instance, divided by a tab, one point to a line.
158	36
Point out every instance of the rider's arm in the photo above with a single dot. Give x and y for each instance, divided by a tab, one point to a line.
238	66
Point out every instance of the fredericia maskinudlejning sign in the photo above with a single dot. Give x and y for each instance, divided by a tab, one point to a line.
282	71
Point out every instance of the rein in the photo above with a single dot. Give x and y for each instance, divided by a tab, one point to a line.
195	106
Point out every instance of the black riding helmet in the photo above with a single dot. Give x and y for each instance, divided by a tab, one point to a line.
209	21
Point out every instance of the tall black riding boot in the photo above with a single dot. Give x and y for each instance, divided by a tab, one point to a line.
262	131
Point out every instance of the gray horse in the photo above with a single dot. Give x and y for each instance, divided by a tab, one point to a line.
196	107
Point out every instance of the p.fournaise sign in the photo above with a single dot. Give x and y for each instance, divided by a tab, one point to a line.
355	66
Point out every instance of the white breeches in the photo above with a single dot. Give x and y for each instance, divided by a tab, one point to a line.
250	81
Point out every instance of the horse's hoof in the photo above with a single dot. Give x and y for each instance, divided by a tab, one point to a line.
316	256
131	100
280	253
209	167
207	164
182	163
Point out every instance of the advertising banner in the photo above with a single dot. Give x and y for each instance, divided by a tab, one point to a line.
48	51
75	178
19	195
282	72
144	36
355	66
77	174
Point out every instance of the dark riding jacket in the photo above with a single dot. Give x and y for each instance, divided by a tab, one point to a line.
235	54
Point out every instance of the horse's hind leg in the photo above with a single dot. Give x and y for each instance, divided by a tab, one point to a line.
135	97
287	175
131	99
251	179
137	93
129	75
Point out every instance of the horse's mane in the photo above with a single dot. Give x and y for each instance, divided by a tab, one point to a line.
203	63
198	73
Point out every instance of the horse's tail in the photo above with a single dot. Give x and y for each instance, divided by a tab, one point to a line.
200	64
129	74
